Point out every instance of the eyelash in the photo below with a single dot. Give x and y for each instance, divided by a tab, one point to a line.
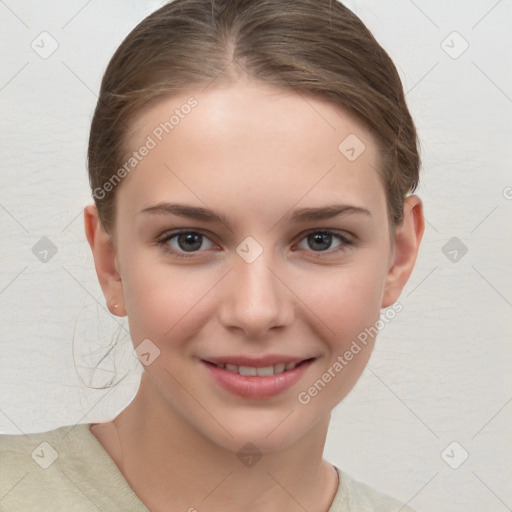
163	242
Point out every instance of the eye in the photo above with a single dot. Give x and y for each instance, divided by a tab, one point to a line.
182	242
185	244
321	241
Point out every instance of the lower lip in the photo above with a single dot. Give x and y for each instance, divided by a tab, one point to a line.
253	386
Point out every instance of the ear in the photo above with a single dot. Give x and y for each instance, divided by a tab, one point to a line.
105	261
407	241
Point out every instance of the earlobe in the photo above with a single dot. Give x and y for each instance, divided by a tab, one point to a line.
105	261
407	242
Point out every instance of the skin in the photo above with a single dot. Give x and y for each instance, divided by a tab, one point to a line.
253	154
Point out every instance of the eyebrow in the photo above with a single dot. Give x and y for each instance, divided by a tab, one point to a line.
299	215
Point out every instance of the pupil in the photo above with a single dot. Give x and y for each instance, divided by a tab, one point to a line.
319	237
190	241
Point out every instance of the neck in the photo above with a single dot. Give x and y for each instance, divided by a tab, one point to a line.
166	461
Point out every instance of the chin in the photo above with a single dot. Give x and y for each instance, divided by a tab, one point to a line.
267	432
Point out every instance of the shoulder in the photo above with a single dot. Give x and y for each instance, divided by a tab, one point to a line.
29	451
60	470
40	449
356	496
26	462
10	443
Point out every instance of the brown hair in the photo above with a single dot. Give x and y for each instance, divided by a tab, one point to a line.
310	46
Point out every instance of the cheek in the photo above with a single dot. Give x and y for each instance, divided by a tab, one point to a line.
163	302
334	304
349	309
346	300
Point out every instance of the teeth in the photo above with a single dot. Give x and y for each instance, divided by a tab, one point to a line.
267	370
247	370
279	368
262	372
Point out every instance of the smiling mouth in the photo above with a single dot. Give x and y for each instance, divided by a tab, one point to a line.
253	371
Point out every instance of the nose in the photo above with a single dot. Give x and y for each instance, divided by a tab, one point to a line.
255	298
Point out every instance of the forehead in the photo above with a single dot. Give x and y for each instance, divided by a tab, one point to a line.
247	140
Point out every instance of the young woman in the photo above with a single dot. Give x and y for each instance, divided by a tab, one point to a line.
252	165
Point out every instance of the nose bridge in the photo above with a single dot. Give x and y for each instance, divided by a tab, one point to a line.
256	300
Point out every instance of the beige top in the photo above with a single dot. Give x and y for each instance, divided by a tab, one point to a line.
67	469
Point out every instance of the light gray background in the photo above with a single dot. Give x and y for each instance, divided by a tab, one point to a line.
441	370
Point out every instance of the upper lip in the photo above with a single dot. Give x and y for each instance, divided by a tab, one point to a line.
256	362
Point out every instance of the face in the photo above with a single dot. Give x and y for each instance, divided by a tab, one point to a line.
248	242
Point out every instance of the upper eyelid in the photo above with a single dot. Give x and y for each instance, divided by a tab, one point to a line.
172	233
